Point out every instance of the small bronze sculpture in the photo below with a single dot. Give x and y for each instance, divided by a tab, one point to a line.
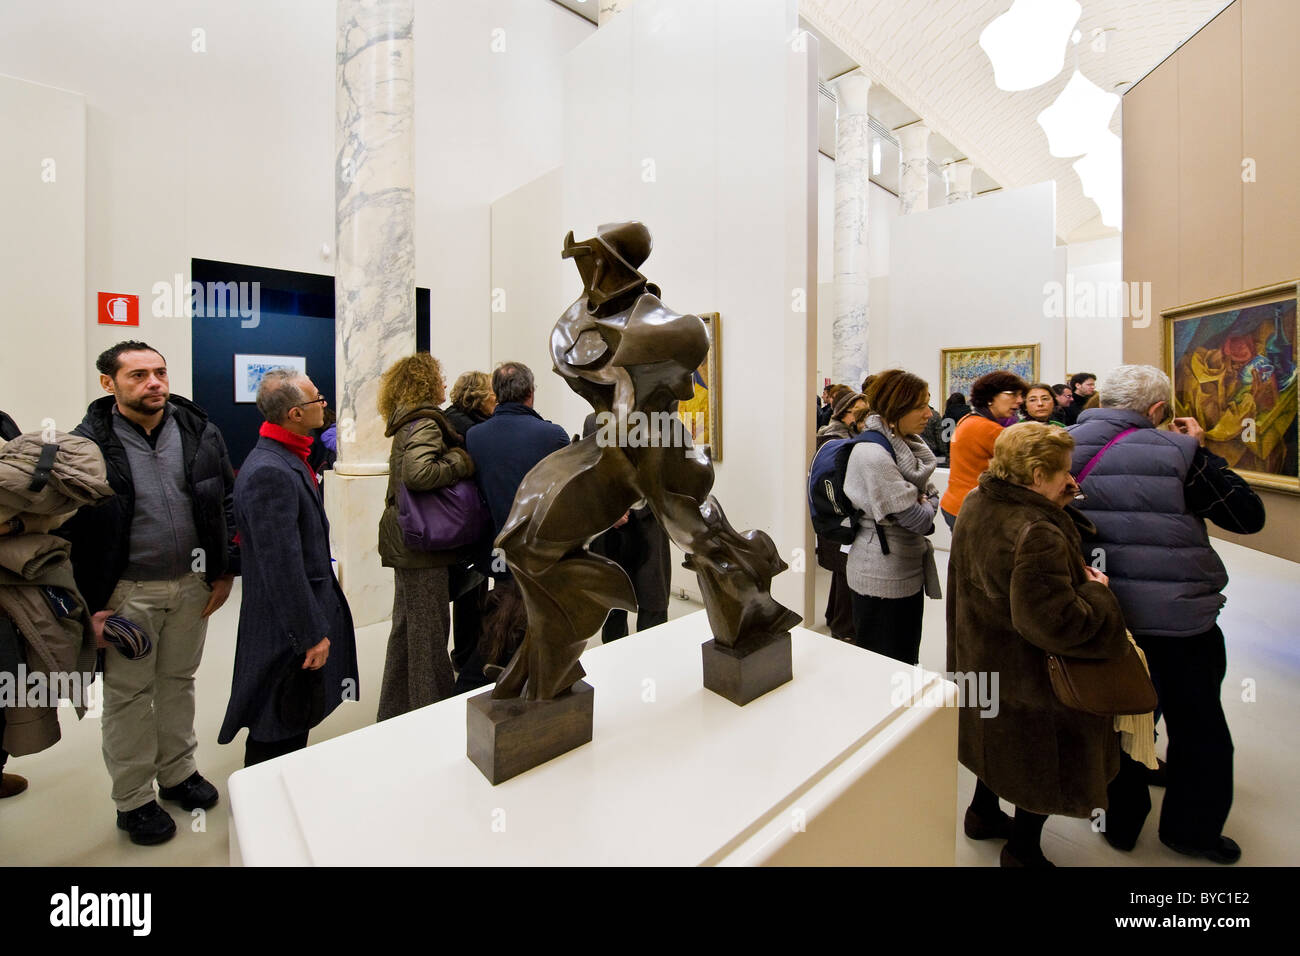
632	358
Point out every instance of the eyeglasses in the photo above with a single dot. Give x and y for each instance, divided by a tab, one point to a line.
314	401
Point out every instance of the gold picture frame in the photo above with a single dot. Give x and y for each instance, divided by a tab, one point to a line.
1232	361
958	367
702	413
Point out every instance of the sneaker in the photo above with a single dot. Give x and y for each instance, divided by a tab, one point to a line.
192	793
11	785
983	828
148	824
1222	850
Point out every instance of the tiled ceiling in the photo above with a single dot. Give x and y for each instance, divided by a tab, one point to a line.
926	54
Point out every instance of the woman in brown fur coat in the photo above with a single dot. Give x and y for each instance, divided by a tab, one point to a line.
1018	590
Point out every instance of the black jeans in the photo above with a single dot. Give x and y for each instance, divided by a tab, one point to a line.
1188	675
616	624
257	751
889	626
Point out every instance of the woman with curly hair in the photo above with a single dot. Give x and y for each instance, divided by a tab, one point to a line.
995	399
427	453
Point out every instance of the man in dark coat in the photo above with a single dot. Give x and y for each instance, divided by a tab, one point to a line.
512	441
161	553
296	656
1149	495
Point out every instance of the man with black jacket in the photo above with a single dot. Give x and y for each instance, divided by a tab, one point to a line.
161	553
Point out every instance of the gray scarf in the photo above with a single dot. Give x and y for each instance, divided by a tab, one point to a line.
916	461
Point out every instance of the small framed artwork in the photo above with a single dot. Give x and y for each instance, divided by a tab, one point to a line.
960	367
702	414
1232	361
249	370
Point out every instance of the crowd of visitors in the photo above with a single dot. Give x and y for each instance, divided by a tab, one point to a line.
1078	532
1078	517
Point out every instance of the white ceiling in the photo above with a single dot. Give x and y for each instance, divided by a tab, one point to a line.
926	54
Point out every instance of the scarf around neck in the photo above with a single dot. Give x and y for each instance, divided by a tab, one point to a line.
916	461
300	445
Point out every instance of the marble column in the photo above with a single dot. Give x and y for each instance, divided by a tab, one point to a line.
608	8
957	175
852	188
374	285
914	168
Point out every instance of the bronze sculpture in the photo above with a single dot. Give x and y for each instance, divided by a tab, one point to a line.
632	358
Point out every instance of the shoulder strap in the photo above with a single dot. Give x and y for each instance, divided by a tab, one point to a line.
1092	462
877	438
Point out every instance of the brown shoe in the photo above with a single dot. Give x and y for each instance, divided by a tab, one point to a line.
11	785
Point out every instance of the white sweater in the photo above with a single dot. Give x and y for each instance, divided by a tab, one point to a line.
875	484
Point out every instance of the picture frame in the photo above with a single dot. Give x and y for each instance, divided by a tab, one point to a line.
1232	363
959	367
249	370
702	413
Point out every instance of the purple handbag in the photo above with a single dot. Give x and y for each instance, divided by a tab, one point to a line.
442	519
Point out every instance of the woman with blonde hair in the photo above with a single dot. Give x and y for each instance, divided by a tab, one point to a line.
427	453
472	401
1018	590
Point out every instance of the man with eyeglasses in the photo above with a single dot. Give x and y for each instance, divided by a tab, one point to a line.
296	653
161	553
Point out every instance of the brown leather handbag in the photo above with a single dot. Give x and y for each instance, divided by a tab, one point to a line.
1106	688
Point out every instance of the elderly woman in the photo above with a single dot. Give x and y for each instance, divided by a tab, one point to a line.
890	567
846	417
1040	405
472	401
994	399
846	421
1018	590
427	453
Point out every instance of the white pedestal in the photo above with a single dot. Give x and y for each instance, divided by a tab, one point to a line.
823	770
354	504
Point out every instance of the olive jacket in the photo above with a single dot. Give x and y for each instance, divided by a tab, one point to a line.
428	454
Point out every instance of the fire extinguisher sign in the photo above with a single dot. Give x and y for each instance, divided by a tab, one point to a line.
118	309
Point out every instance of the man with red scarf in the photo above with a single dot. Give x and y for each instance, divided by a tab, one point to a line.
296	656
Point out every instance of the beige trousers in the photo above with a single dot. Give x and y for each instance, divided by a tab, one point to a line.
149	703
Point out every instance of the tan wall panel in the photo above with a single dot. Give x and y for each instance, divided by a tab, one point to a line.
1209	159
1184	220
1151	214
1271	136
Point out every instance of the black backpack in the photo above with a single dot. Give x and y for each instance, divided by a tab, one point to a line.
828	505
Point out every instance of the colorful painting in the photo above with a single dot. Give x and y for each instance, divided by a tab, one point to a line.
702	414
249	370
1233	366
962	366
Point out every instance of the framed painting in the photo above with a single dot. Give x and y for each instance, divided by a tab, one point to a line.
249	370
1232	361
960	367
702	414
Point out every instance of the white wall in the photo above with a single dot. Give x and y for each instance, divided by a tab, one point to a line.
42	254
684	114
973	274
534	286
1095	340
228	154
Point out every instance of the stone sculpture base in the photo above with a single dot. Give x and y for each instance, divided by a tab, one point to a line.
742	677
507	737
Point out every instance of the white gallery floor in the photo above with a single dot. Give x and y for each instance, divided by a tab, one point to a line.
66	816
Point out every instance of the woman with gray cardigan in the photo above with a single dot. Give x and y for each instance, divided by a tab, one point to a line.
891	565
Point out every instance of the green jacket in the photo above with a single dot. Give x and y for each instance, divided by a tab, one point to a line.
427	453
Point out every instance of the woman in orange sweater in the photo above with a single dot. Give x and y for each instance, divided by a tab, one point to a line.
995	399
